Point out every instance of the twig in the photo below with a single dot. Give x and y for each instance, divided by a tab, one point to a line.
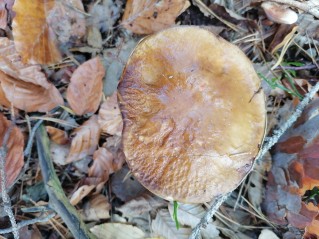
27	222
308	6
269	142
5	197
57	199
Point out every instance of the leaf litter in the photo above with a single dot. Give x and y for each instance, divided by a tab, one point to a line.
63	65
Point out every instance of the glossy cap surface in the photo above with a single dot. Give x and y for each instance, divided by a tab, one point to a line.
194	115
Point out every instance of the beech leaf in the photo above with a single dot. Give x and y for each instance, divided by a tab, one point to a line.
34	39
96	208
58	136
84	93
117	231
29	97
85	140
149	16
110	118
14	156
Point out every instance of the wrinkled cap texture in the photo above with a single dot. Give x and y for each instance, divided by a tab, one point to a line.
194	115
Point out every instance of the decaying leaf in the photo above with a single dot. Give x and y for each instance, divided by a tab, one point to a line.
58	136
117	231
67	20
165	226
144	203
30	232
15	143
11	64
59	153
33	37
149	16
29	97
295	170
110	118
96	208
85	90
190	215
85	140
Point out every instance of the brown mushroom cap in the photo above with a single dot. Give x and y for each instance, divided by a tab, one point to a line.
194	115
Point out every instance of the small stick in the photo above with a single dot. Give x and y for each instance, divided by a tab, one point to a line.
27	222
269	142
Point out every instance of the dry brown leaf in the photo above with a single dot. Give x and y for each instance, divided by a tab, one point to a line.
96	208
85	90
110	118
11	64
30	232
14	157
80	193
149	16
117	231
85	140
29	97
67	20
58	136
33	37
59	153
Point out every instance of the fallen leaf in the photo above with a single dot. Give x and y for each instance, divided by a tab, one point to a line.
117	231
14	153
295	170
190	215
84	92
33	37
164	225
85	140
11	64
142	204
67	20
29	97
30	232
102	165
58	136
96	208
59	153
149	16
124	186
80	193
110	118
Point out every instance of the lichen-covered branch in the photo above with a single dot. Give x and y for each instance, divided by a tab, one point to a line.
57	199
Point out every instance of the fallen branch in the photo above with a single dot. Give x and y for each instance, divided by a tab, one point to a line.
269	142
57	199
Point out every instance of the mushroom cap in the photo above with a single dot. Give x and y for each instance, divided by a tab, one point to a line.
194	114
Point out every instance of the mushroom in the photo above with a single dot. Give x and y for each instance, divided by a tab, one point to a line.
194	115
279	13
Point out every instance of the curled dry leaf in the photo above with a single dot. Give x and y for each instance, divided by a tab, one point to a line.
29	97
96	208
85	90
14	157
67	20
149	16
80	193
34	39
58	136
279	13
110	118
85	140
